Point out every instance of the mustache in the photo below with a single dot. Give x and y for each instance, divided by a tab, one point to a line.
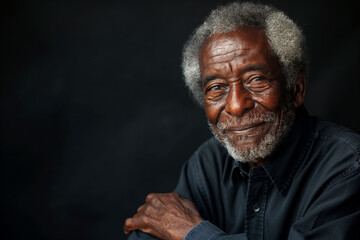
248	119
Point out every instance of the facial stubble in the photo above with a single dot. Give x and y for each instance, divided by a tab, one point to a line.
280	127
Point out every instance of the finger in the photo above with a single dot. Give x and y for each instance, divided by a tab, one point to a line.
140	208
176	195
150	196
128	226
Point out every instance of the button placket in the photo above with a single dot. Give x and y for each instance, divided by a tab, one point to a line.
256	203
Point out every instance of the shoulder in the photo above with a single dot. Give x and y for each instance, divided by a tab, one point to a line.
337	138
335	153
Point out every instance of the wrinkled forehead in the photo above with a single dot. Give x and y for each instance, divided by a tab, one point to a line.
239	39
222	47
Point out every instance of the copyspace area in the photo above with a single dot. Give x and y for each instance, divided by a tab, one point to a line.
94	112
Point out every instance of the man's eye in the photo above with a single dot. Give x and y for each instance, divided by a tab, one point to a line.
216	88
257	84
258	79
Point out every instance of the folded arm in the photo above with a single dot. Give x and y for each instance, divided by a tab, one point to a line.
164	216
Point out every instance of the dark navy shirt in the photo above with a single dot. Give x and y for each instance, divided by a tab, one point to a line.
309	188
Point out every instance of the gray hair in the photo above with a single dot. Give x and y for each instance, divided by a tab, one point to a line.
285	38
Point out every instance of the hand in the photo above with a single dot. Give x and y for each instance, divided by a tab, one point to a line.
165	216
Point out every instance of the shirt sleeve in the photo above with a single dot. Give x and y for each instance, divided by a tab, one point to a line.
207	231
203	231
139	235
190	187
335	214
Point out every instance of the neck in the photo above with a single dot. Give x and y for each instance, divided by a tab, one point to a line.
254	164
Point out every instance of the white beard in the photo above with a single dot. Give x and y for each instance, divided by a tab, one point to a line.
266	145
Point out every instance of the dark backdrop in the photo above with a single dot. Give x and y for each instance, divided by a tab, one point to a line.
94	112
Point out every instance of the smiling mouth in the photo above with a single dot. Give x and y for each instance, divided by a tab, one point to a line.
247	129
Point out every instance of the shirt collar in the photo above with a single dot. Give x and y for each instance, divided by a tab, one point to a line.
282	165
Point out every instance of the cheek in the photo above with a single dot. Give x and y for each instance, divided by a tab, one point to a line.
213	111
272	100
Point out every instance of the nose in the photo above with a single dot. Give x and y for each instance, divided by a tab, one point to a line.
238	101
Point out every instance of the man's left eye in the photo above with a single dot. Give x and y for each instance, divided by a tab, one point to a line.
258	83
258	79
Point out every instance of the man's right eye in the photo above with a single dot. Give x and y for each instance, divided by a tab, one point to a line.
215	90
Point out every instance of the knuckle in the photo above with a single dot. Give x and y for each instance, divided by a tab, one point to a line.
148	210
154	201
140	208
150	196
174	195
146	221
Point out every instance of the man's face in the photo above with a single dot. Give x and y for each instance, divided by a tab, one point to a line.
245	97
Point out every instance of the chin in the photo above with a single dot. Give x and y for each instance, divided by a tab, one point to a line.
252	149
251	152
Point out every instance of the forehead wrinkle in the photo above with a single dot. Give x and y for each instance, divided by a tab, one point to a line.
228	57
239	52
219	46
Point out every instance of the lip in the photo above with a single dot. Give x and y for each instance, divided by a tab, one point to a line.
247	129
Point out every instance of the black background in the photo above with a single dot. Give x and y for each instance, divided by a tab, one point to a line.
94	112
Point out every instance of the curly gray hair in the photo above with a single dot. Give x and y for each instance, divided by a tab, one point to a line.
285	38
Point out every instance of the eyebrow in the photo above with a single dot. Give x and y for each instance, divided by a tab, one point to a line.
260	67
210	78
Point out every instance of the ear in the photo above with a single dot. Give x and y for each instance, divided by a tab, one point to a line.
299	90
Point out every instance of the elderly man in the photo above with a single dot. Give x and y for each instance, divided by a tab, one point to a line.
273	172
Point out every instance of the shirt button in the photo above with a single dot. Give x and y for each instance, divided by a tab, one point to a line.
256	208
